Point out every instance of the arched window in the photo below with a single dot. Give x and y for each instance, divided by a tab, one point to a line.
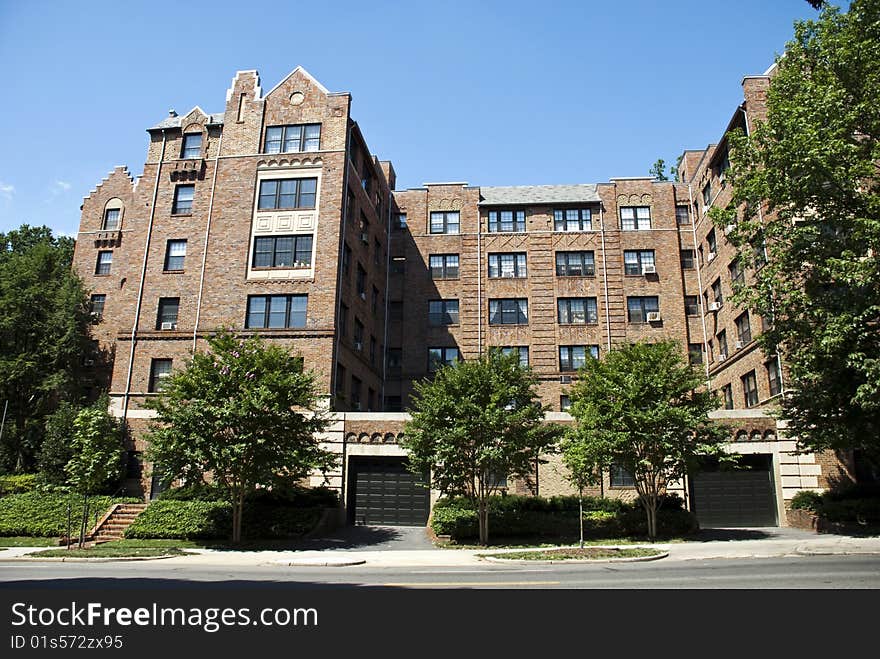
112	219
191	145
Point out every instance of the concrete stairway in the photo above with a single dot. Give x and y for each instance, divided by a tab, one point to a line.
116	521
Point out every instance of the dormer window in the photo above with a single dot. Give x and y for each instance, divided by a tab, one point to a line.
192	145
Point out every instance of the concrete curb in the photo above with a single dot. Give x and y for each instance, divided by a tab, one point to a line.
835	552
320	562
80	559
521	561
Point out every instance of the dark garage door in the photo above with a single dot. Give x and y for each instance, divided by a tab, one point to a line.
383	492
743	496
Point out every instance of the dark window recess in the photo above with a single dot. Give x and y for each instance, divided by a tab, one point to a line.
401	222
395	310
695	353
183	199
692	305
439	357
687	259
276	311
727	392
358	335
750	389
166	318
398	265
506	221
283	252
343	320
159	370
774	380
394	360
290	193
511	311
743	329
620	477
293	138
575	264
175	255
340	381
393	404
573	219
444	266
682	216
564	403
192	145
442	312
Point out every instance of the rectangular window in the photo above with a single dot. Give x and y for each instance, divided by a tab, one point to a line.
183	199
444	266
192	145
439	357
355	393
445	221
159	370
96	305
507	265
521	351
166	318
111	219
575	264
395	310
393	404
687	259
638	308
358	335
283	252
442	312
394	359
750	389
340	381
635	262
401	222
175	255
361	282
572	358
294	138
620	477
509	311
577	311
717	293
374	301
276	311
373	350
692	305
507	221
722	343
398	265
727	393
564	403
681	214
712	243
287	194
707	194
744	328
737	273
573	220
695	353
635	218
105	261
773	379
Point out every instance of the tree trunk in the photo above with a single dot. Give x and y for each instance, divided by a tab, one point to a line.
483	515
651	509
237	508
84	521
581	513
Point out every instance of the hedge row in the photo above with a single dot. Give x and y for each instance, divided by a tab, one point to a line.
858	503
512	516
281	494
44	514
208	520
18	484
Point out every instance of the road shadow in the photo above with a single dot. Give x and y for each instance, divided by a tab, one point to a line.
351	538
733	535
105	584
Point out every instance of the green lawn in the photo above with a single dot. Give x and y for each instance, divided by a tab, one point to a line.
123	549
576	553
27	541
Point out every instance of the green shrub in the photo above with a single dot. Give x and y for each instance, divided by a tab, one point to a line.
210	520
18	483
511	516
806	500
44	514
861	511
281	494
199	492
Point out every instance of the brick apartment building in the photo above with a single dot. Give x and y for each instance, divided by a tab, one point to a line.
274	217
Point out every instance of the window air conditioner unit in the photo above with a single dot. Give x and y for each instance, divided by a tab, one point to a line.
721	357
507	274
649	269
363	296
96	315
358	346
169	326
739	345
729	228
564	379
710	257
653	316
365	238
715	306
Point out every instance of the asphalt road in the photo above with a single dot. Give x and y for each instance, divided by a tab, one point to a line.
837	572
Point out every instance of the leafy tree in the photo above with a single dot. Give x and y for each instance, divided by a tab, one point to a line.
658	170
245	412
643	407
586	457
96	463
476	422
57	447
807	201
43	337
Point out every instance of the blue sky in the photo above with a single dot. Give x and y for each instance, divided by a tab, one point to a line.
493	93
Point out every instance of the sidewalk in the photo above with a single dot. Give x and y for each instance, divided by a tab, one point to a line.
767	543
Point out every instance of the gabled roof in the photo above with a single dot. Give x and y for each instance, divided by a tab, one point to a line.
308	75
538	194
176	120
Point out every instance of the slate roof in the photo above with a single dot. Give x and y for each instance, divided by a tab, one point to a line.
538	194
174	122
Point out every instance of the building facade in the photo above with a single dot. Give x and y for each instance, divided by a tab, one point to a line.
274	217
